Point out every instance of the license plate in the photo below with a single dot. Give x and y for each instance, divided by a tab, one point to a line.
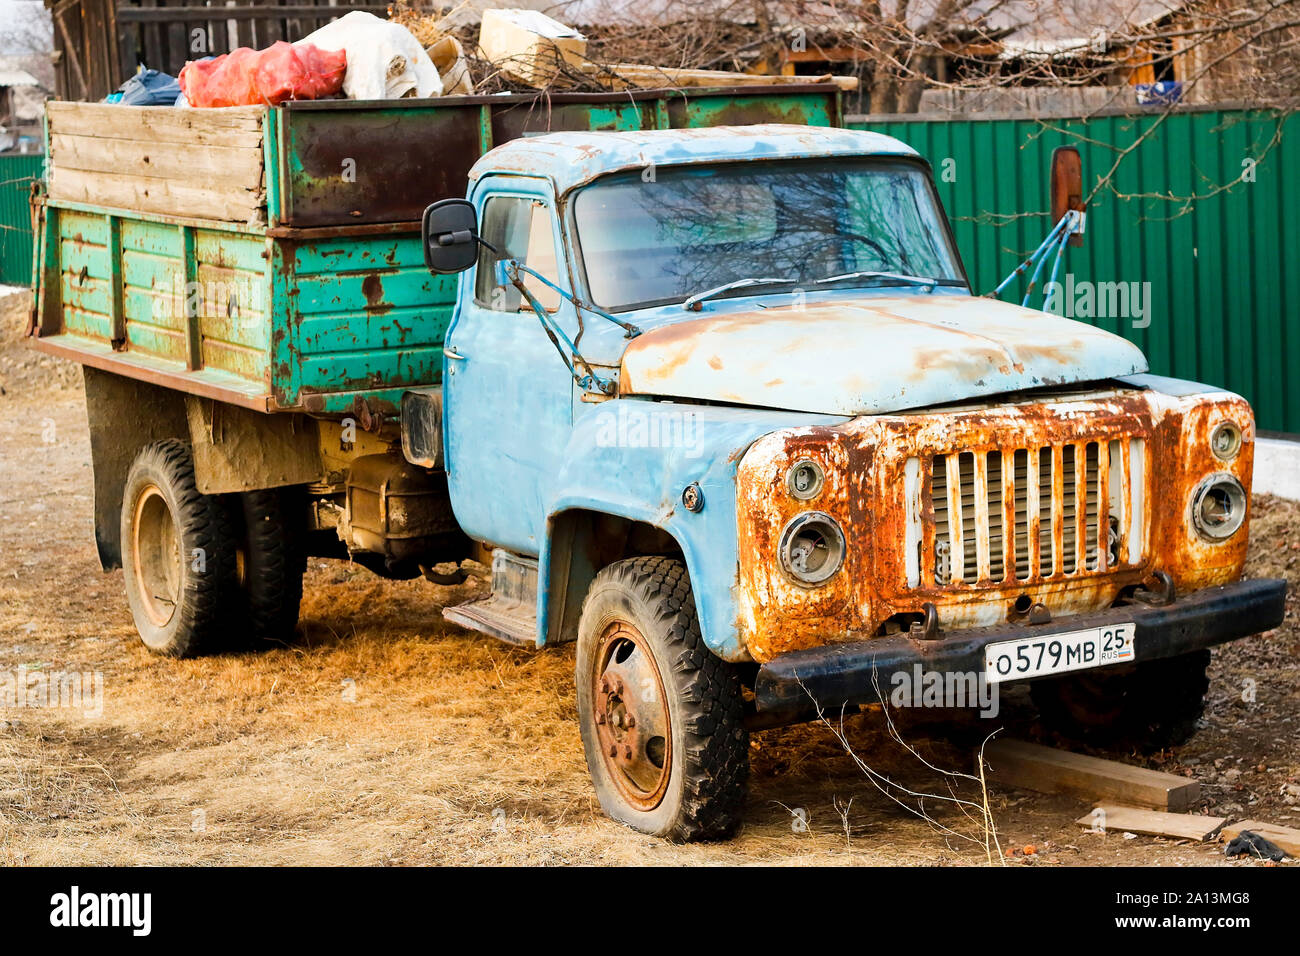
1058	653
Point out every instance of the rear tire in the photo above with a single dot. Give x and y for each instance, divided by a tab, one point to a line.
177	553
270	563
661	715
1148	707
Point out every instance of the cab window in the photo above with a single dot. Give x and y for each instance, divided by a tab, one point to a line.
519	228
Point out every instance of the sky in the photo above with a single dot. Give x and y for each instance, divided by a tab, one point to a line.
16	11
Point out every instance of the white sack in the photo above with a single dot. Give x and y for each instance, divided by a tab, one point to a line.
385	61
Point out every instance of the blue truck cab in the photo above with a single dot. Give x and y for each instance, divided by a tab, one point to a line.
719	405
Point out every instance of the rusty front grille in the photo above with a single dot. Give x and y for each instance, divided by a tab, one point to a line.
1058	501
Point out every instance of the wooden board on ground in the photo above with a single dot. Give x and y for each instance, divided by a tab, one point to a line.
1015	763
1174	826
1288	838
192	163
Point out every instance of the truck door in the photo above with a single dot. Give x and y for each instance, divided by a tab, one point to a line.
507	393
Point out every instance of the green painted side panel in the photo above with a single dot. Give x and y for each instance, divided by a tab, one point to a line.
160	239
17	173
622	116
725	109
1224	271
365	314
153	288
85	286
230	270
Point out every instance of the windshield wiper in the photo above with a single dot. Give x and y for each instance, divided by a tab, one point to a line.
894	276
693	303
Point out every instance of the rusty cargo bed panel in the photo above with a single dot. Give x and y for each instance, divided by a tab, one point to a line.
404	154
317	300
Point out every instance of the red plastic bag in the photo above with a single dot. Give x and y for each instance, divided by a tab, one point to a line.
283	71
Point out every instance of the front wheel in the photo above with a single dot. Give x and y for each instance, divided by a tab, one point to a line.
661	715
1147	706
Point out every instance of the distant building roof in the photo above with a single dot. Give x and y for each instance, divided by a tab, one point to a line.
17	78
1041	26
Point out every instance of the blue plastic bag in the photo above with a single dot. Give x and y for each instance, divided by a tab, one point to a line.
147	88
1159	94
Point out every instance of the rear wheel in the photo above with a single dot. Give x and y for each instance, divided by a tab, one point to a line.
1147	706
269	564
661	715
177	553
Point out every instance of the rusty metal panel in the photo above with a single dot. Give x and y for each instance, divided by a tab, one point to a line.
373	165
363	321
881	488
514	120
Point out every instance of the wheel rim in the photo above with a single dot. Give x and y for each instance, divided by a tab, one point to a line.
156	556
631	714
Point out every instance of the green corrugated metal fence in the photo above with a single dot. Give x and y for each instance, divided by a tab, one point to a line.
1224	274
16	175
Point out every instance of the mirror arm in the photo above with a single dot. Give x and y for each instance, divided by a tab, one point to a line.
1070	224
588	382
631	330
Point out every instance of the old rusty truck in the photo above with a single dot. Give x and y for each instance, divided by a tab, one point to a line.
701	378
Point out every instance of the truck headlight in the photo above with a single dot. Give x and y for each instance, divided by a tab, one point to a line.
1225	441
805	479
1218	506
812	548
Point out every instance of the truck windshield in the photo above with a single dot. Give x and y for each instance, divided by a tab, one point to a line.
660	238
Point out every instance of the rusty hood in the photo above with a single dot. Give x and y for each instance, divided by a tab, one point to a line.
871	354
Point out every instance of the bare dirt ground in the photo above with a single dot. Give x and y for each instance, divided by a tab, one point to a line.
386	736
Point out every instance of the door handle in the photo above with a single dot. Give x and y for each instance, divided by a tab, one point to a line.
453	354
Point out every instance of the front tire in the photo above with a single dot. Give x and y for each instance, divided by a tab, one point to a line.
661	715
1148	706
177	553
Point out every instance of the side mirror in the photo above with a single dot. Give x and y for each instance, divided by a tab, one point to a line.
1067	186
449	232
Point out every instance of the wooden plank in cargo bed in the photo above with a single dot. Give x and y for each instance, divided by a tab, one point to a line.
202	164
210	165
227	126
172	197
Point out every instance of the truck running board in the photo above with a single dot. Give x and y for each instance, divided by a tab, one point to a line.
510	612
